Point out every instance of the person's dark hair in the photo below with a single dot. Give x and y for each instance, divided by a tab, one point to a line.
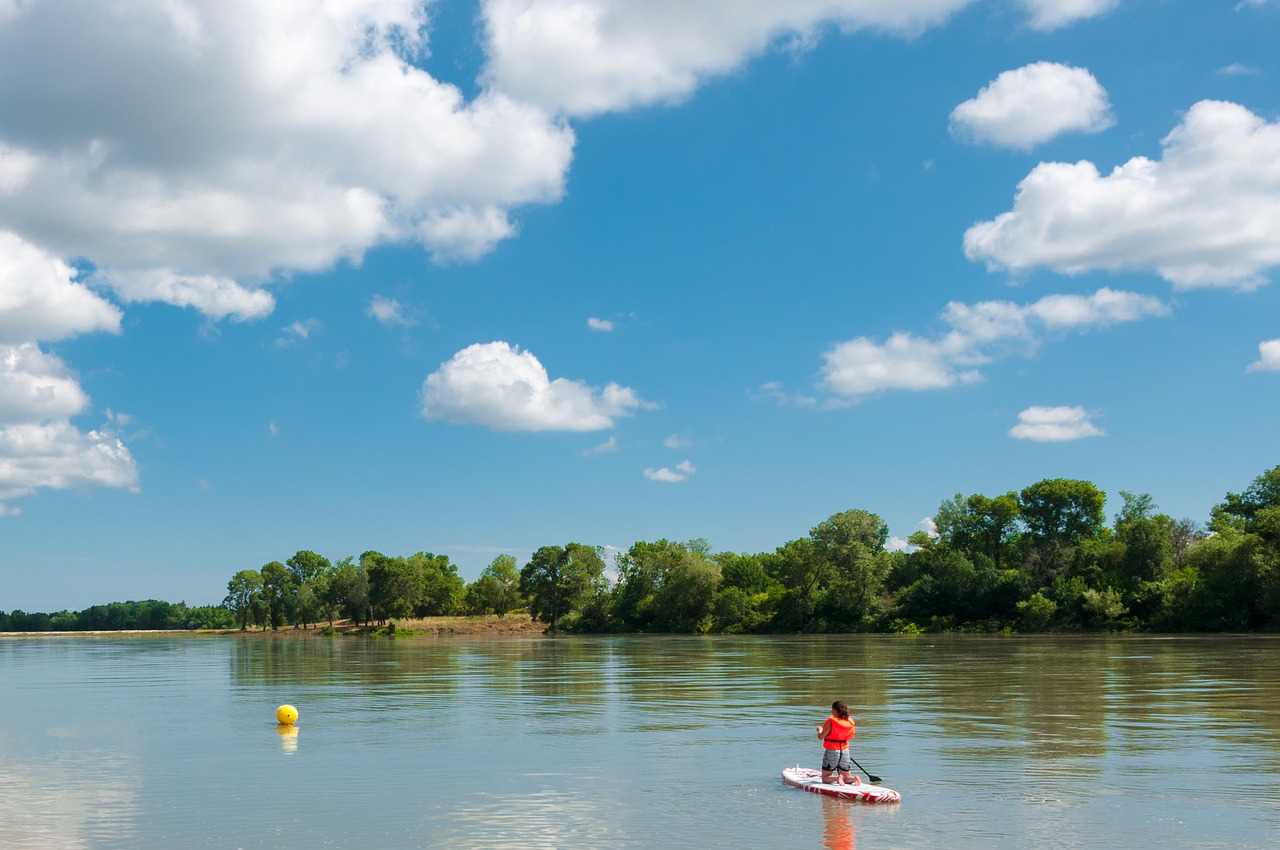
841	710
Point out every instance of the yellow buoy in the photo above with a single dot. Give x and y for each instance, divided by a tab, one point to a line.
286	714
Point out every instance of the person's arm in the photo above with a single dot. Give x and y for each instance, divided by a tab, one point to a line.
824	729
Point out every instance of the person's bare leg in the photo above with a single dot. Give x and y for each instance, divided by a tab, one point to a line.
850	778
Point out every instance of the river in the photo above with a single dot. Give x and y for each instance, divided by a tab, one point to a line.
637	742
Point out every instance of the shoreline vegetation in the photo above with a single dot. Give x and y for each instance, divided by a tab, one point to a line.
1042	559
486	624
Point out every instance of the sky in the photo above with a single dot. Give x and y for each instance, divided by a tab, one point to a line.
477	277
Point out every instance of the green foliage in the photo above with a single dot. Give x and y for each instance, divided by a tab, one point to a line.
497	590
244	597
558	581
1040	559
1036	614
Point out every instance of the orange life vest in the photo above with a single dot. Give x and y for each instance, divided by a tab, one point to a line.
839	734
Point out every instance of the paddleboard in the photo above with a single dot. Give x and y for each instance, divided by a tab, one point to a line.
811	780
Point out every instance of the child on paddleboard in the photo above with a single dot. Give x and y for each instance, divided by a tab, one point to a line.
835	735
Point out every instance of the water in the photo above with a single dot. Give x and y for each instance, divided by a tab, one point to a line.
630	742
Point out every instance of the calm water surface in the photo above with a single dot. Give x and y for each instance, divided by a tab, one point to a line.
628	742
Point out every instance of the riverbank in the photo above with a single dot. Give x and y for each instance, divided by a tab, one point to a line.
510	625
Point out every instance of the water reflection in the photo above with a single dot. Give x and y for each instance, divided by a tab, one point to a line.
288	738
638	742
839	831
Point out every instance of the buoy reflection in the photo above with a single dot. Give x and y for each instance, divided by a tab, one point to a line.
288	737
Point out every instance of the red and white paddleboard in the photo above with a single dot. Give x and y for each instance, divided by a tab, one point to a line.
811	780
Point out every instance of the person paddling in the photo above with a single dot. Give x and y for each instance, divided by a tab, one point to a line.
835	735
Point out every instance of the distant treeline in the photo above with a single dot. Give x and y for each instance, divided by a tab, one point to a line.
121	616
1040	559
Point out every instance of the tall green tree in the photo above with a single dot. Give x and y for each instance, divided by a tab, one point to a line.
277	593
1060	513
853	543
558	580
347	590
442	588
396	586
244	597
665	586
497	590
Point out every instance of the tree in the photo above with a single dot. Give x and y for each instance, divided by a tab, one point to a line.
853	542
978	525
441	587
277	593
497	590
347	590
804	574
1059	513
396	586
244	597
1254	510
558	580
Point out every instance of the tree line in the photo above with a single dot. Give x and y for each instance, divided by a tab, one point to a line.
1041	558
121	616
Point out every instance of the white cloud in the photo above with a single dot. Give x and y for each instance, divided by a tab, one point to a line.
979	333
192	152
36	387
1033	104
215	296
296	332
1235	69
58	455
1208	214
671	476
1054	425
1052	14
41	299
390	312
581	57
602	325
608	447
497	385
1268	357
675	441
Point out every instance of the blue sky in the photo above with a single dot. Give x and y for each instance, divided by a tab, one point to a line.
477	277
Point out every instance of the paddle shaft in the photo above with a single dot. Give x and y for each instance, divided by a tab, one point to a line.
875	780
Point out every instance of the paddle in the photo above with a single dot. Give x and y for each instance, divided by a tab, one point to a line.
875	780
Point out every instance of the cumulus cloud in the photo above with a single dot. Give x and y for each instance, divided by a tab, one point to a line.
602	325
390	312
498	385
1207	214
193	151
581	57
1268	357
1033	104
979	333
60	456
41	297
35	386
1054	425
1053	14
675	441
671	476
